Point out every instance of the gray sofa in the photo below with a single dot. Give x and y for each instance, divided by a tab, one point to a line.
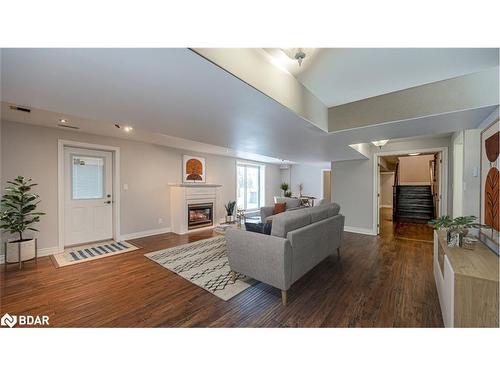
299	240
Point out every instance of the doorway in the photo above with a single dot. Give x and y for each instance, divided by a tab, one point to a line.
326	177
409	190
88	193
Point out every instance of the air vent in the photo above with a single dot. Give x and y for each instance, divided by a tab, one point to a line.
68	126
22	109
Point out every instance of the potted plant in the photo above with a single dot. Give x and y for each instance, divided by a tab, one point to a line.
18	214
230	211
284	187
460	225
288	194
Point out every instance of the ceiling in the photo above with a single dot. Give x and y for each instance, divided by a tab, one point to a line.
177	95
343	75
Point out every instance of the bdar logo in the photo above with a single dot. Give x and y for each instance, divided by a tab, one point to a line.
8	320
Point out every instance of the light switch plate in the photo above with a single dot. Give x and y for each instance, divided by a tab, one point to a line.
125	186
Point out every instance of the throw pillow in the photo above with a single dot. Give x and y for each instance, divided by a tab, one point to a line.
279	208
258	227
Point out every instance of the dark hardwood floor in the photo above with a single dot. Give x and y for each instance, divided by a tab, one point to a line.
378	282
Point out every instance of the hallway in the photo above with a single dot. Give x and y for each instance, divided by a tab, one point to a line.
403	231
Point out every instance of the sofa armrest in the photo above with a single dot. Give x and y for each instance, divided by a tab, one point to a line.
265	212
263	257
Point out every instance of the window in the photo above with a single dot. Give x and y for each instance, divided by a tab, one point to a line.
88	173
250	186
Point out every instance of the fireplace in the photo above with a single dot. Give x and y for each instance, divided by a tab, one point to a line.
200	215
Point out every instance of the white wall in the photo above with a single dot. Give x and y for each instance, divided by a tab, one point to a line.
352	182
310	176
147	169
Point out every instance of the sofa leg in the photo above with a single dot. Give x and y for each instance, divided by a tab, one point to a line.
233	276
284	297
338	252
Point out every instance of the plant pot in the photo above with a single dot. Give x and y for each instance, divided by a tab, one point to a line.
28	250
229	218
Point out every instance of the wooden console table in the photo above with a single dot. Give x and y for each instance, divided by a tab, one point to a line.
467	284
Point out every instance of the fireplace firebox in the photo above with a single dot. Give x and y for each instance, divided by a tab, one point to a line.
200	215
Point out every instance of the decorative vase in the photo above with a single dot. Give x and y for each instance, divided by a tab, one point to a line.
28	250
229	218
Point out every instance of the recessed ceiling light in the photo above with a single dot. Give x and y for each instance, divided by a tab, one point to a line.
414	154
128	129
63	121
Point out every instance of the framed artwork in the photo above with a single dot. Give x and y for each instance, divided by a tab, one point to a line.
490	205
193	169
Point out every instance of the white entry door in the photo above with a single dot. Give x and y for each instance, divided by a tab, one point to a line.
88	187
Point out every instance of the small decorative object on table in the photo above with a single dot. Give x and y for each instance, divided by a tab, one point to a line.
456	229
17	215
240	216
230	211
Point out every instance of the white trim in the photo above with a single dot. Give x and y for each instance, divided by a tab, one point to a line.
60	184
359	230
145	233
443	180
385	206
41	253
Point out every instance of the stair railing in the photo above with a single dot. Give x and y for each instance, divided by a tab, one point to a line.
395	193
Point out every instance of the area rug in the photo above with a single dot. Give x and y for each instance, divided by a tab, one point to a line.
204	263
88	252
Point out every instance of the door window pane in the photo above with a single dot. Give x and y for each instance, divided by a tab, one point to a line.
88	177
240	183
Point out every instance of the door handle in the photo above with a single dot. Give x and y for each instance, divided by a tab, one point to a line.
108	202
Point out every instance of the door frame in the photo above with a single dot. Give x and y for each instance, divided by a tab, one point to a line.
115	151
443	180
323	170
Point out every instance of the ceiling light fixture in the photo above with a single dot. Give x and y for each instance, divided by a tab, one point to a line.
128	129
380	143
414	154
298	54
63	121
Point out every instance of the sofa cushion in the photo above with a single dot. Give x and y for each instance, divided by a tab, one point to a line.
319	213
333	209
290	202
279	208
288	221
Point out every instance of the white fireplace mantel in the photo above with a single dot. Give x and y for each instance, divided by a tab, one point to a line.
182	195
194	185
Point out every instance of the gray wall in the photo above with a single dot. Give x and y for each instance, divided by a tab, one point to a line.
474	90
310	176
472	153
32	151
352	181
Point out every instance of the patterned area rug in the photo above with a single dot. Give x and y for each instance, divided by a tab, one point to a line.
85	253
205	264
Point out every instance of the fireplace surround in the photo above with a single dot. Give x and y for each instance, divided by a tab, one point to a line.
194	207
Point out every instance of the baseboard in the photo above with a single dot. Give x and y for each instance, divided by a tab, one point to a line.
41	253
151	232
385	206
359	230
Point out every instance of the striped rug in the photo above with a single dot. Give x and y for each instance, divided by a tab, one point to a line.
203	263
85	253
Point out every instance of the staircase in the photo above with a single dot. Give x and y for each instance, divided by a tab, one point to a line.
413	204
